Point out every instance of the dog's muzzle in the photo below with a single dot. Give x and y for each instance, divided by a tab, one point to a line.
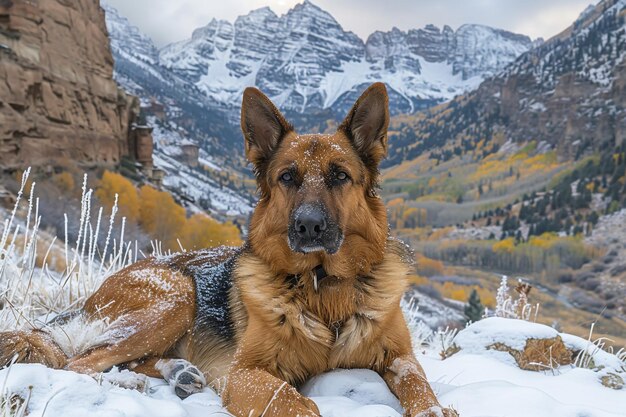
312	230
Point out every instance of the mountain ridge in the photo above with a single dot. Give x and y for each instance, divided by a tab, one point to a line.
307	63
567	92
305	60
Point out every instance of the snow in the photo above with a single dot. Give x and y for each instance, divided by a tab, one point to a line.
538	107
559	54
486	386
430	311
434	80
194	184
306	59
475	382
477	337
356	392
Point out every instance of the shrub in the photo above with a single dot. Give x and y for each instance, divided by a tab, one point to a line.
430	291
161	217
128	200
429	267
201	231
65	182
565	277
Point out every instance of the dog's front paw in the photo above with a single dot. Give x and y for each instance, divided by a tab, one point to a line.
294	406
310	408
185	378
435	411
188	381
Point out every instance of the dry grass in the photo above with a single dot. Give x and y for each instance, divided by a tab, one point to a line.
12	405
33	289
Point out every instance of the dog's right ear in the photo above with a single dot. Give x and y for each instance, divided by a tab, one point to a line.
262	124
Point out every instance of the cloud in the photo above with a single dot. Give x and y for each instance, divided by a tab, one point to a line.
168	21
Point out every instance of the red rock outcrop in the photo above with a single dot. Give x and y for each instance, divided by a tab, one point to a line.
58	100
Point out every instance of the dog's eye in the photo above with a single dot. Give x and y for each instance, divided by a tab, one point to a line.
341	176
286	177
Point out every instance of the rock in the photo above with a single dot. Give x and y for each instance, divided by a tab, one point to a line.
58	99
142	145
532	346
539	354
537	347
612	381
190	153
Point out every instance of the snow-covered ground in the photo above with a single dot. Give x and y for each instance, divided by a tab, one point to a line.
476	382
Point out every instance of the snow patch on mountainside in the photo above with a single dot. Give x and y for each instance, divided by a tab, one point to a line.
195	185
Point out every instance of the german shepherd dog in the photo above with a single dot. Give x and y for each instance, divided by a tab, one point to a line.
317	285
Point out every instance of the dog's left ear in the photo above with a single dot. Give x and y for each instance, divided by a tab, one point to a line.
366	124
262	124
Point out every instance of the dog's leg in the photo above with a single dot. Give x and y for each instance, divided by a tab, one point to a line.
149	332
407	380
146	366
34	346
256	393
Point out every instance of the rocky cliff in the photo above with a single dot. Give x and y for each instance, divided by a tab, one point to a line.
58	99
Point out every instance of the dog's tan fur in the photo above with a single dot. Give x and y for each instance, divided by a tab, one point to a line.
284	332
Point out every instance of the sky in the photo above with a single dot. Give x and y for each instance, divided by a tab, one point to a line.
167	21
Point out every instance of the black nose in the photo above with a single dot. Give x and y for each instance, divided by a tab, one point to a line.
310	222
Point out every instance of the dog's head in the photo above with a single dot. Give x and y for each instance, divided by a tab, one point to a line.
318	202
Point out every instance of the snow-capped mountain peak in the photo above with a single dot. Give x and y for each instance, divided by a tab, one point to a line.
305	61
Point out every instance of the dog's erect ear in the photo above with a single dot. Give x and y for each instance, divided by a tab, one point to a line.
262	124
367	122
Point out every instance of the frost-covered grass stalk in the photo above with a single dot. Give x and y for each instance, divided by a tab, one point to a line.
507	307
12	405
421	334
584	359
443	340
33	288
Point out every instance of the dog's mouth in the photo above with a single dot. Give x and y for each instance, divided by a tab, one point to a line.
311	249
330	246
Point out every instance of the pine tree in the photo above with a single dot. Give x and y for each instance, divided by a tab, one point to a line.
474	309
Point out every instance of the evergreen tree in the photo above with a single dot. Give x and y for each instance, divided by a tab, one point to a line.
474	309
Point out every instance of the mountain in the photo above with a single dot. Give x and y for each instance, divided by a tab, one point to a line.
568	93
526	175
162	92
305	61
183	121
